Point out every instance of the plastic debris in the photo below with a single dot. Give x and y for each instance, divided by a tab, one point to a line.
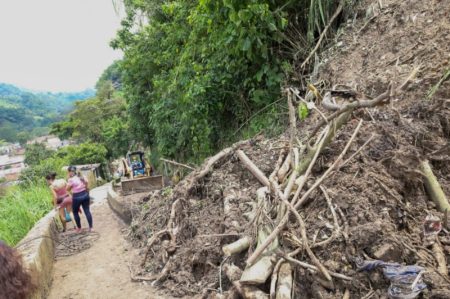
406	281
432	226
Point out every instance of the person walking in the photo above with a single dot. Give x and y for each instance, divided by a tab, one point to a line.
62	200
80	196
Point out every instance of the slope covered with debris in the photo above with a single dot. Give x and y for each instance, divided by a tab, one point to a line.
355	170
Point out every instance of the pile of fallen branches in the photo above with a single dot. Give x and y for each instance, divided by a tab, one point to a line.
274	250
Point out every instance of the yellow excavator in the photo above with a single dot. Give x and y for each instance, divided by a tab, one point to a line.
138	174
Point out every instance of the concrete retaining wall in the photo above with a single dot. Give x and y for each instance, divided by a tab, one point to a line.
119	207
38	251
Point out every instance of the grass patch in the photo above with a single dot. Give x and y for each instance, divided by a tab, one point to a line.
20	209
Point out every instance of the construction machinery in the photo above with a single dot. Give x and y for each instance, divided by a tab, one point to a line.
138	175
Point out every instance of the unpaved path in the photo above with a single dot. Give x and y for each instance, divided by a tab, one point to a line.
102	270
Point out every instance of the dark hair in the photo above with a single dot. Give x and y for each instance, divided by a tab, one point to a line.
72	168
15	282
51	176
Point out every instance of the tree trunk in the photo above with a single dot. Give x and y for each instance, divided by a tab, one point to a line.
236	247
285	280
259	272
433	188
252	168
247	292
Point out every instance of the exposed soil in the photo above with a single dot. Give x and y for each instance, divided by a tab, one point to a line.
101	270
380	191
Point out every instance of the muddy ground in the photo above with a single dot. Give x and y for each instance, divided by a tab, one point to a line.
380	191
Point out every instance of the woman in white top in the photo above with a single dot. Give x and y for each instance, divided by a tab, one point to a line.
62	200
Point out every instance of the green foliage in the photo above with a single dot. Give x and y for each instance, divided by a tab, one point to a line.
31	112
36	173
302	111
98	120
116	136
113	74
85	153
319	13
101	119
35	153
23	137
106	90
20	209
198	69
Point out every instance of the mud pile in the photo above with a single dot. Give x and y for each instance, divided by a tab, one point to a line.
378	197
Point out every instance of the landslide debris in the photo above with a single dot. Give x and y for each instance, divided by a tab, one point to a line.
377	202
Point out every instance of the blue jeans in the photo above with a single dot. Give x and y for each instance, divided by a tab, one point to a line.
81	199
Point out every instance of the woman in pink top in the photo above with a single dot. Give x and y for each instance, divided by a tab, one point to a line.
61	198
80	196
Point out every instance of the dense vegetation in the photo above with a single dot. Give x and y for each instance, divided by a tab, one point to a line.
42	161
22	205
196	72
25	114
20	208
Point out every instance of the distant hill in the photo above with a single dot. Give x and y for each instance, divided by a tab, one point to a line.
25	114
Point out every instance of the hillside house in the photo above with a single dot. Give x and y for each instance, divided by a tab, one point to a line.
50	141
11	167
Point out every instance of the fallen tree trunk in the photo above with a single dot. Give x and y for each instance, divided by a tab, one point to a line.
285	281
230	196
433	187
188	184
259	272
177	164
305	196
247	292
236	247
440	258
274	279
260	176
284	169
337	124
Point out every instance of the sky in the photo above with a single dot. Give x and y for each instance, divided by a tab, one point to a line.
56	45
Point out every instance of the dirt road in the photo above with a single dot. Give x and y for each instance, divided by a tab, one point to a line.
102	270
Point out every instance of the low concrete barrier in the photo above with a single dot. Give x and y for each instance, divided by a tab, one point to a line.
117	204
38	251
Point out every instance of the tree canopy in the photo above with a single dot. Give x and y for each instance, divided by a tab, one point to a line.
195	72
101	120
35	153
